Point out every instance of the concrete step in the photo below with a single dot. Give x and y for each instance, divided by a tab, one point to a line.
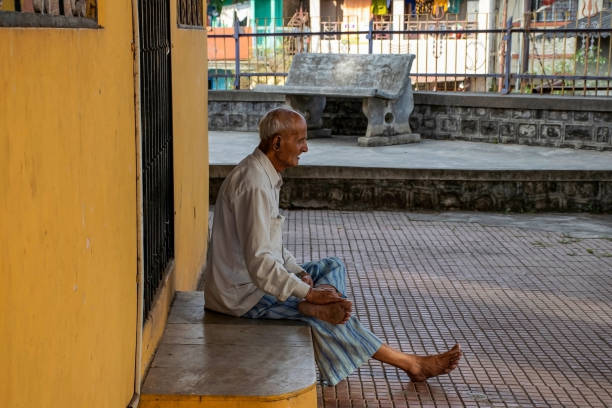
438	175
371	188
206	359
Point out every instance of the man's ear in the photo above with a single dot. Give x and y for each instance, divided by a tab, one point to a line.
276	145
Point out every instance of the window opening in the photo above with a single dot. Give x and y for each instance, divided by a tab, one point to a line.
49	13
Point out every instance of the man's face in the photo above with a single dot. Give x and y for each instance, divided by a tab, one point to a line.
292	144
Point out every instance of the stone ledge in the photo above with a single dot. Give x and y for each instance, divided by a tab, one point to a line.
243	96
378	173
206	359
350	188
35	20
486	100
483	100
374	141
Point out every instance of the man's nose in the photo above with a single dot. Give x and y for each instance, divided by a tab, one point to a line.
305	148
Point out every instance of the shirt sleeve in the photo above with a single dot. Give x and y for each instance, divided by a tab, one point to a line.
252	212
290	263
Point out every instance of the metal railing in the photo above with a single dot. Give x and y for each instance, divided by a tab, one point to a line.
535	54
157	167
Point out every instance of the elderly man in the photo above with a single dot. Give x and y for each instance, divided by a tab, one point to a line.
251	274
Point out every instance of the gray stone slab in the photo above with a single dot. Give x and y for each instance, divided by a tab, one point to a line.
387	73
191	314
327	91
183	333
207	353
188	299
239	335
217	369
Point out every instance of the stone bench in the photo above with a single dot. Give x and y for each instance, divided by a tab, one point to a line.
206	359
381	81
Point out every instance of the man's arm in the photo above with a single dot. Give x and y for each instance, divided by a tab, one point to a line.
252	212
290	262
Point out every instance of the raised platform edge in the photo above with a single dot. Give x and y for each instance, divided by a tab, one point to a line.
573	103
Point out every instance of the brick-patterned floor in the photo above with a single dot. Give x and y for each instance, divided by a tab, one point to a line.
532	310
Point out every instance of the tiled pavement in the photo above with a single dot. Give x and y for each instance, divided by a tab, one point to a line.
531	309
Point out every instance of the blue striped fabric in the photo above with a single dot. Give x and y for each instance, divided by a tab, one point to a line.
339	349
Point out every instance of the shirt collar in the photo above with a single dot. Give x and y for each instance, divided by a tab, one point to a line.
275	178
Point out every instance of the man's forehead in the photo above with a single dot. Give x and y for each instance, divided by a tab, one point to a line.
300	123
297	119
296	124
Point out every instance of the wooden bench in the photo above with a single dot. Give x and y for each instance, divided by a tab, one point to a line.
381	81
207	359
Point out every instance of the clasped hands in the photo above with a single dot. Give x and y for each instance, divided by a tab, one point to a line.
320	295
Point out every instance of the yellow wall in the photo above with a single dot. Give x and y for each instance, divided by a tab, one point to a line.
190	110
7	5
68	243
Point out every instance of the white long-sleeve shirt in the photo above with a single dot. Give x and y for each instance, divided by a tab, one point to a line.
246	257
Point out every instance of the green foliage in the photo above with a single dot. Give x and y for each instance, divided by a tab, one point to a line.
526	89
569	240
591	56
218	4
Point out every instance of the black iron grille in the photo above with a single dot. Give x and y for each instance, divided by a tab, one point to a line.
156	117
190	13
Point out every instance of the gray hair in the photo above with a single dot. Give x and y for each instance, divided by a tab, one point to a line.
276	121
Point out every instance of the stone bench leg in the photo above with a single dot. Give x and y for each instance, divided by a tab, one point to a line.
388	121
312	109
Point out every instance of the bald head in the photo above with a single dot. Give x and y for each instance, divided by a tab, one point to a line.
277	122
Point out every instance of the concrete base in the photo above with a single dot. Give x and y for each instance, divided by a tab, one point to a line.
206	359
432	175
578	122
354	188
319	133
388	140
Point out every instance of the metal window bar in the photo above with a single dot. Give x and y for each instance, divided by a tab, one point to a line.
157	163
52	8
190	13
470	47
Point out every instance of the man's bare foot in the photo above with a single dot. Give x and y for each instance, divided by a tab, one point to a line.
422	368
334	313
348	306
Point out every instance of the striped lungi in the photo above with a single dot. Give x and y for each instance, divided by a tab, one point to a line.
339	348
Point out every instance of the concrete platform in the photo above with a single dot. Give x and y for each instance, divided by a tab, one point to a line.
210	360
432	175
342	151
